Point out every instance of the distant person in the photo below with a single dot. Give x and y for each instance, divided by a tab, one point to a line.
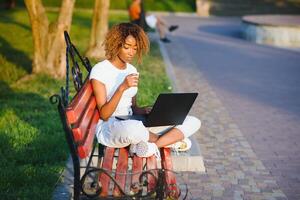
137	16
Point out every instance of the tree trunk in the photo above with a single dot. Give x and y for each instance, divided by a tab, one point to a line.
48	39
56	57
99	29
39	25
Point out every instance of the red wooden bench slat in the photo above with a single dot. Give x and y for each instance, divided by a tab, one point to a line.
80	128
107	165
85	149
78	103
151	164
122	166
137	168
166	162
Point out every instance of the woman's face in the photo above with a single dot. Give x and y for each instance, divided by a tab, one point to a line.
128	50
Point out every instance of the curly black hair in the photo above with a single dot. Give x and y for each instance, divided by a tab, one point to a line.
116	36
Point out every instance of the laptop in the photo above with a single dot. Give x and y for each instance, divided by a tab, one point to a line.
168	109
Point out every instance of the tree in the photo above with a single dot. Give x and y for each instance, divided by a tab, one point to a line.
48	38
99	29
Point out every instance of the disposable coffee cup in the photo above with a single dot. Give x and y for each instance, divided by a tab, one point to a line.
136	74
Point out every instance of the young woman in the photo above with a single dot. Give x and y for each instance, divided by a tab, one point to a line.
115	85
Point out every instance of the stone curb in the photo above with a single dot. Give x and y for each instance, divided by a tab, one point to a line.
183	161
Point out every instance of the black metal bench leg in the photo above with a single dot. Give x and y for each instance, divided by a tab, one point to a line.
77	184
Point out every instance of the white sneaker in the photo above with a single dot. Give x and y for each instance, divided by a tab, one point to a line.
132	149
147	149
182	145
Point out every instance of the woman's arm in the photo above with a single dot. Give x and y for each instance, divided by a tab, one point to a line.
107	108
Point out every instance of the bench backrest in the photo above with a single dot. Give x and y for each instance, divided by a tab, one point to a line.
82	117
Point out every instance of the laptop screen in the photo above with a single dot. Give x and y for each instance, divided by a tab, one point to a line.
170	109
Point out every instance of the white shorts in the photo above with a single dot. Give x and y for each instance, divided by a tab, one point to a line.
121	133
151	21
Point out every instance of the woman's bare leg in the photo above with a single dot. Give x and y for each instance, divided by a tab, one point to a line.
153	137
170	137
162	22
160	29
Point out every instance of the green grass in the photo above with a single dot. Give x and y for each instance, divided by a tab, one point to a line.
15	45
33	148
170	5
150	5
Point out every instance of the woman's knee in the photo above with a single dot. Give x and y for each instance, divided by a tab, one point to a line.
190	126
194	122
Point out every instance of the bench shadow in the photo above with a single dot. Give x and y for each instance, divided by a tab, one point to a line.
13	55
27	153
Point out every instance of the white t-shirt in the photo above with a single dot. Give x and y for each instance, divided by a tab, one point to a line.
112	77
108	132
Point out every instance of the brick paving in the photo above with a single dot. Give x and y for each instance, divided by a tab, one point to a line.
242	161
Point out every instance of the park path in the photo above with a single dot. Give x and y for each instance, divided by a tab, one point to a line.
249	105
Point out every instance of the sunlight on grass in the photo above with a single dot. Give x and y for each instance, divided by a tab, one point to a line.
19	132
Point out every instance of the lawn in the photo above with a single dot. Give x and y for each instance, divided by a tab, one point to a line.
150	5
33	149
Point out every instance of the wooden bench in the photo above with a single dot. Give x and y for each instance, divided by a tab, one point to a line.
103	172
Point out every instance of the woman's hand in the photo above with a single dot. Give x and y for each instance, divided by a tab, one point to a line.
142	110
130	80
147	110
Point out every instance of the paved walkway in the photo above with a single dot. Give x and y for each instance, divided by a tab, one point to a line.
249	104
